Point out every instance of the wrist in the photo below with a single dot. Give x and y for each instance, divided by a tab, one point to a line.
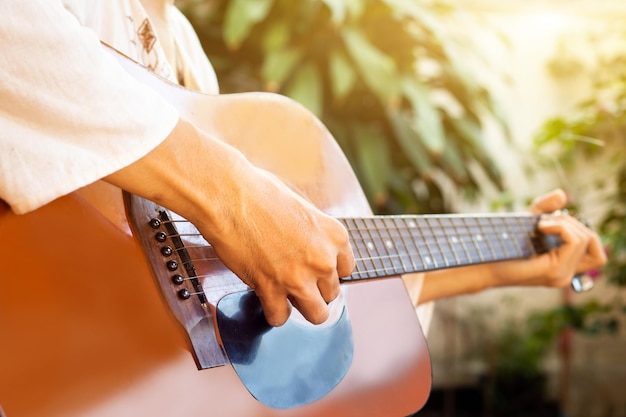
190	173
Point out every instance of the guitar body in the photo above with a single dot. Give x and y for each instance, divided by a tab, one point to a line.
84	330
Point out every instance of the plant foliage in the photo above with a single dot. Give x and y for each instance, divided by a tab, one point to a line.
595	132
390	78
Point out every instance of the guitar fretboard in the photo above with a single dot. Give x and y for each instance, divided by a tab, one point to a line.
393	245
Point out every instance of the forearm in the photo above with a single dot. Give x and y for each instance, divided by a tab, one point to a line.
455	281
189	173
536	271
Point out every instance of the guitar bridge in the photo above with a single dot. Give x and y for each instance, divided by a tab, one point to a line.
176	277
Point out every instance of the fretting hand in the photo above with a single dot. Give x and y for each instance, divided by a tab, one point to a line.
580	252
581	249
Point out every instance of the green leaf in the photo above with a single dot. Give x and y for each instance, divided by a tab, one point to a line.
377	69
373	160
454	165
306	88
342	75
426	119
241	16
278	65
276	37
410	142
470	132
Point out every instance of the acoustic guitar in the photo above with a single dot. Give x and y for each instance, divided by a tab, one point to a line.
84	330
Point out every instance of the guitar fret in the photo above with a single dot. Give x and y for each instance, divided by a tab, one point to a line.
476	238
375	245
393	245
487	232
361	261
366	247
447	224
458	239
458	248
401	225
371	244
447	242
474	251
512	242
521	242
437	236
425	244
528	238
386	243
497	225
408	236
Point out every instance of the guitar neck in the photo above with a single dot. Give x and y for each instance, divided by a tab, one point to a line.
394	245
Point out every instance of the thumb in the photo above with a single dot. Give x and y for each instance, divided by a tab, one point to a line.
554	200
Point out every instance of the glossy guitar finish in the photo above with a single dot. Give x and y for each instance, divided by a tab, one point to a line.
84	331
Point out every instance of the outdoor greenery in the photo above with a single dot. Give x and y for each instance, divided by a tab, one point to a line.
394	80
593	136
594	133
514	347
519	347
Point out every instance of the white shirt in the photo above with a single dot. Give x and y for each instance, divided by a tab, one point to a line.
69	115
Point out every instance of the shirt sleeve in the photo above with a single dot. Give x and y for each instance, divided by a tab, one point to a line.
198	72
69	113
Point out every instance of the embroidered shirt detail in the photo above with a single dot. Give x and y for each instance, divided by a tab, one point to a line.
146	36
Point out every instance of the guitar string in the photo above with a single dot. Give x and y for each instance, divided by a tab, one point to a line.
411	257
468	253
422	228
383	270
455	240
449	250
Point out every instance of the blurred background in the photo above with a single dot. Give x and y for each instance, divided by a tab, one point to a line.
468	106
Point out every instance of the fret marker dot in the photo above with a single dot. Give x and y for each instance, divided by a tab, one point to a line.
428	261
479	238
505	235
389	244
370	246
455	239
412	224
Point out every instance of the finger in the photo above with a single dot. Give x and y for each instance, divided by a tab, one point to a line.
554	200
568	228
275	306
345	262
596	255
329	287
575	240
312	306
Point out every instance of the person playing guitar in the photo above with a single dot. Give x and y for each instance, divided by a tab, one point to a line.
77	127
